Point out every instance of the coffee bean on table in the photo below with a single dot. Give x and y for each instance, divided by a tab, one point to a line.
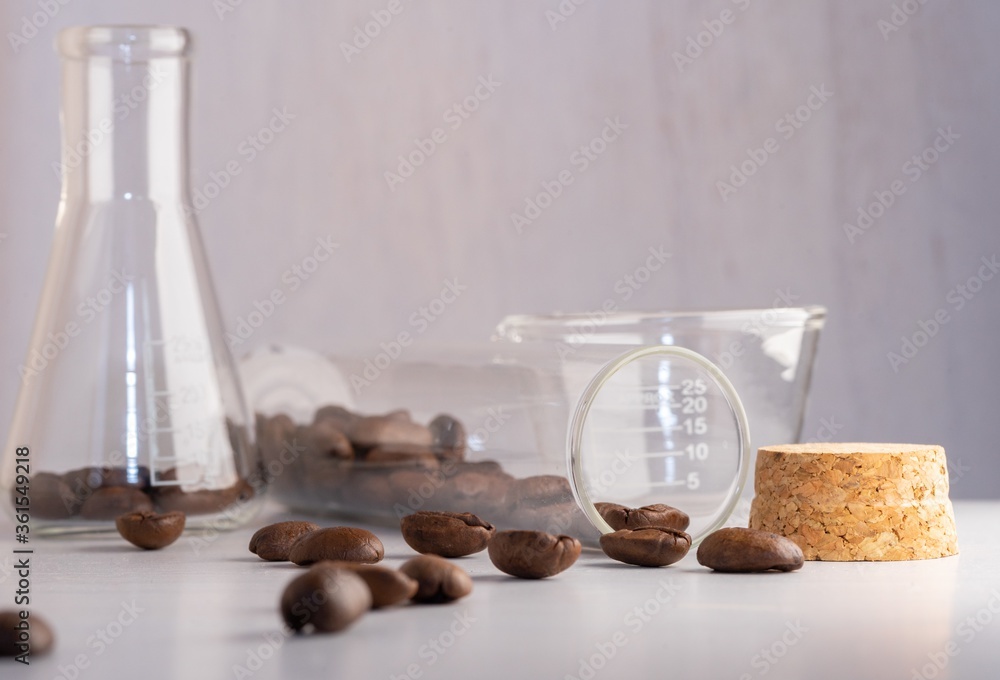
388	586
149	530
110	501
11	644
646	547
439	580
274	541
735	549
658	515
349	544
533	554
448	534
325	599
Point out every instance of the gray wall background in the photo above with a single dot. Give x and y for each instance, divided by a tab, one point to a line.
654	186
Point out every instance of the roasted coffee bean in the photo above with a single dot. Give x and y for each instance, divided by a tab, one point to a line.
149	530
449	437
274	541
340	417
11	629
532	554
658	515
349	544
388	586
538	492
274	435
448	534
439	580
400	455
111	501
646	547
736	549
325	599
90	478
324	439
482	492
383	431
400	415
50	497
203	501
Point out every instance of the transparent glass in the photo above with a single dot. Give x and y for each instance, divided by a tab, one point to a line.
767	354
129	398
540	438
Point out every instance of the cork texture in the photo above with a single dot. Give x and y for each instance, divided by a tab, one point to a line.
846	502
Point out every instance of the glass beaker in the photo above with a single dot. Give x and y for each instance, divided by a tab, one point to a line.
767	354
130	399
525	437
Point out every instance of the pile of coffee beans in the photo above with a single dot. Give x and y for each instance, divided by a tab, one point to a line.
102	493
389	465
343	582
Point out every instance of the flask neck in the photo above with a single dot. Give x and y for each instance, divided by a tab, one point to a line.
124	121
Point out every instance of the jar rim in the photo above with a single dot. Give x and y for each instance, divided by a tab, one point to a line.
517	326
123	43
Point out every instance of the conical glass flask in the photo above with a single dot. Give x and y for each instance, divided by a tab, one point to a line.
129	397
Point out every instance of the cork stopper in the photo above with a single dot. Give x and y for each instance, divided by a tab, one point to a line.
848	501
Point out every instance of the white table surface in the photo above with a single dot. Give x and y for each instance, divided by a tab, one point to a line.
211	612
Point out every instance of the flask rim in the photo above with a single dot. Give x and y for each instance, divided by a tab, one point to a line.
123	43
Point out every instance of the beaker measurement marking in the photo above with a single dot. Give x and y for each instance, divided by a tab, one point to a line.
635	430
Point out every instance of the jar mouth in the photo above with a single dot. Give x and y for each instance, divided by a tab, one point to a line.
127	44
527	326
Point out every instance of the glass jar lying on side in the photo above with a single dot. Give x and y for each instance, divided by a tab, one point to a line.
524	437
